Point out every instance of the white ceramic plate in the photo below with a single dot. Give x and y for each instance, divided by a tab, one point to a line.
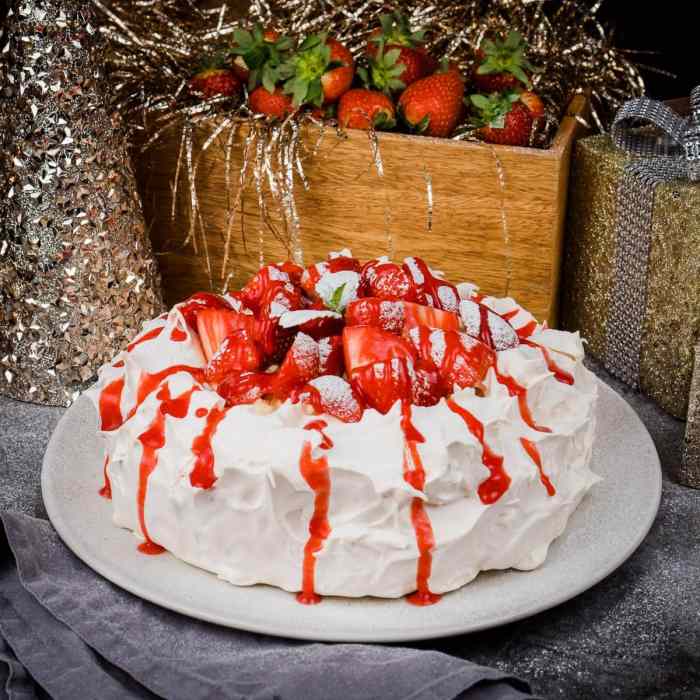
607	527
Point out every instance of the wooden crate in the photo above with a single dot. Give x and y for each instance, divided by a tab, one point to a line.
349	205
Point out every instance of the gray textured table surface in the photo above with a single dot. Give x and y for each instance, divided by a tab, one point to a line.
634	635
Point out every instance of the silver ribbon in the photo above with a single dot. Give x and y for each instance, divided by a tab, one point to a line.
667	147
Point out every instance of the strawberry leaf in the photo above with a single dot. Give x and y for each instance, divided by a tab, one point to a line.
335	302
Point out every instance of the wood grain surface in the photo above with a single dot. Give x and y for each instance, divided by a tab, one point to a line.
349	205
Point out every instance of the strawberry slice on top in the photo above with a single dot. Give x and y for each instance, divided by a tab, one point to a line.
237	353
420	315
431	290
191	307
333	396
214	325
488	326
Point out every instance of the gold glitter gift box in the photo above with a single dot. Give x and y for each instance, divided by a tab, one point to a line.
670	309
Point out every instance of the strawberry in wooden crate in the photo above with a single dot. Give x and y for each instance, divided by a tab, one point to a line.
397	55
362	109
507	118
214	79
260	55
502	65
432	106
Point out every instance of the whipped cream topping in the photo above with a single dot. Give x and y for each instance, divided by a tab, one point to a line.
234	490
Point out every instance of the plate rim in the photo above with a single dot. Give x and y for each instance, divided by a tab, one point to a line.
141	590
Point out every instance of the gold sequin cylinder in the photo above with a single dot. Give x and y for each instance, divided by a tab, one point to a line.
671	323
77	275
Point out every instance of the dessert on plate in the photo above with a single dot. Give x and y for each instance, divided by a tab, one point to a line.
348	429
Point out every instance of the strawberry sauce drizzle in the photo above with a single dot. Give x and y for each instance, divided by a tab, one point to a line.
202	475
201	412
561	375
515	389
484	330
106	490
178	335
527	330
110	405
510	314
152	439
118	365
148	336
414	474
319	425
491	489
534	453
150	382
315	473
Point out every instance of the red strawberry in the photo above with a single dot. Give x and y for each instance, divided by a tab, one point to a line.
333	396
427	388
211	82
213	325
460	359
386	280
398	55
432	105
380	313
274	104
330	355
259	54
382	384
300	365
244	387
321	71
317	323
191	307
502	64
362	109
237	353
419	315
431	290
253	292
533	103
336	263
489	327
503	119
364	345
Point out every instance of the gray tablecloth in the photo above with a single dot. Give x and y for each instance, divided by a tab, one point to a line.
636	634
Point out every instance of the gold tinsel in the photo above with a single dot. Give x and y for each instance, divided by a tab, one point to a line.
156	44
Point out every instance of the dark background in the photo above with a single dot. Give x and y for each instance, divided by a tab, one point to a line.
662	27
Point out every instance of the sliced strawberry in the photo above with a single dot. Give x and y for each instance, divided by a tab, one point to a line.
390	281
293	270
191	307
330	355
278	298
300	365
488	326
340	262
460	360
253	292
318	323
380	313
237	353
431	290
213	325
365	345
311	276
382	384
244	387
334	396
427	387
419	315
273	340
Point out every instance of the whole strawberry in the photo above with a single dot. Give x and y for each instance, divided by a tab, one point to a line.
362	109
397	56
260	56
214	81
274	104
432	105
502	64
503	118
320	71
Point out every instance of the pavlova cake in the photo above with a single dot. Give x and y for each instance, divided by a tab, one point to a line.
348	429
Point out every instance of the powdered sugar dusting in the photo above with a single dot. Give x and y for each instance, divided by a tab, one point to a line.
331	281
305	352
466	290
437	347
502	333
414	270
336	395
344	253
276	274
324	350
391	315
471	316
447	297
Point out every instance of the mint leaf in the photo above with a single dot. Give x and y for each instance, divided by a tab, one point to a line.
334	303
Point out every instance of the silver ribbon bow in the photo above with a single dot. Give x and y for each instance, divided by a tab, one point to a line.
668	148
